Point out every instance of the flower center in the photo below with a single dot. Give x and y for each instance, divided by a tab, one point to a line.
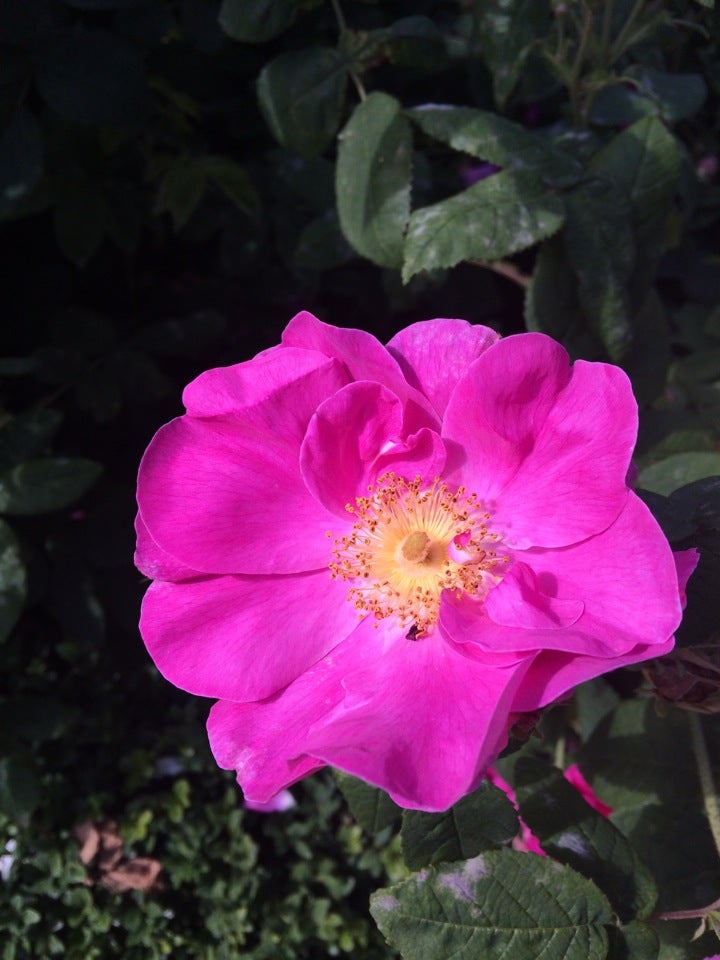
410	542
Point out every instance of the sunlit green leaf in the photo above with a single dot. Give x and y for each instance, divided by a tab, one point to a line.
492	138
482	820
373	179
492	219
501	904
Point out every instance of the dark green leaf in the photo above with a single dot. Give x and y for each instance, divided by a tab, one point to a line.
600	247
507	32
480	821
644	767
255	21
372	808
492	219
501	904
181	190
373	179
634	941
235	183
700	502
301	95
21	158
92	76
12	580
677	95
594	699
102	4
40	486
618	105
679	941
490	137
648	357
79	222
551	302
416	42
573	833
27	435
645	161
33	719
678	470
184	336
19	788
321	245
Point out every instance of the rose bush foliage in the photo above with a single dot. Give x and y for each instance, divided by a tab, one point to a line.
373	556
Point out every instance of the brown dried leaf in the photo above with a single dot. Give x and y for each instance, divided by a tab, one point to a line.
88	836
139	874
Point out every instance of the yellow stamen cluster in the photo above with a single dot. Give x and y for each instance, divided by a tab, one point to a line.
410	542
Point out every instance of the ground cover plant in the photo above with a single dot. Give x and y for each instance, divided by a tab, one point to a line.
178	178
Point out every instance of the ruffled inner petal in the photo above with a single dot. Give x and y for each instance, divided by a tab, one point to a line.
518	601
356	435
243	638
626	577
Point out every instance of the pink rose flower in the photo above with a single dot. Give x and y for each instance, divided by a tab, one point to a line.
372	555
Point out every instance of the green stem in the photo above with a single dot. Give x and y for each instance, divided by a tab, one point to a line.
606	34
711	801
621	44
342	27
585	32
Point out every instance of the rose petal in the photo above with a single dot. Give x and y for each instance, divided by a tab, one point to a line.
417	718
547	449
518	601
243	638
626	577
356	435
435	355
265	378
365	358
553	673
222	497
154	562
685	563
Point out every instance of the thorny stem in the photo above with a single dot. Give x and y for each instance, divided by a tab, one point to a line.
707	785
505	269
342	27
